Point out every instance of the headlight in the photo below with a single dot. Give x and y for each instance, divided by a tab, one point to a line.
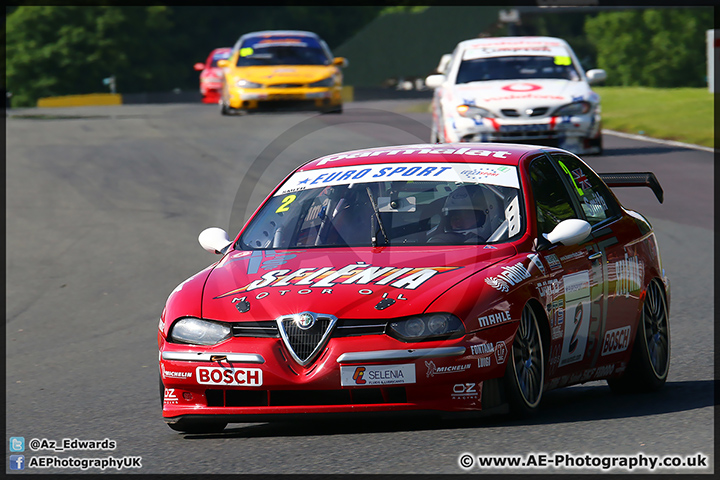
328	82
199	332
242	83
471	111
577	108
431	326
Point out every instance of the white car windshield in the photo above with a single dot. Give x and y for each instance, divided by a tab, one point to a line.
516	68
390	204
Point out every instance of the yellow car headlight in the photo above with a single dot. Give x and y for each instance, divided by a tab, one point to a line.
328	82
242	83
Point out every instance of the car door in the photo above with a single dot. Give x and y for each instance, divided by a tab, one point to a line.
573	287
613	242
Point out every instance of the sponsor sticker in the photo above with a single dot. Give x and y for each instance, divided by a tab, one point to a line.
493	319
577	305
501	352
352	376
244	377
466	390
535	259
446	172
171	374
407	278
616	340
433	370
169	396
628	275
524	48
553	261
509	276
481	349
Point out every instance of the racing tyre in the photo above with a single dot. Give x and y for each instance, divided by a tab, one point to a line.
650	359
188	425
223	108
525	372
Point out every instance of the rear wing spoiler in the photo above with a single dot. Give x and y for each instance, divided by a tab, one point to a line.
644	179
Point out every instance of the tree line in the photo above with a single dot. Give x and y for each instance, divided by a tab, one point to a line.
66	50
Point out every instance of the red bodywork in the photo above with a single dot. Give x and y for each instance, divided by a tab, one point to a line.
449	375
211	76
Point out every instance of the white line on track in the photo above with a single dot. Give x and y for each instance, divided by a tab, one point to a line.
657	140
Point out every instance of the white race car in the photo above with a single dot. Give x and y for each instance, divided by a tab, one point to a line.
516	90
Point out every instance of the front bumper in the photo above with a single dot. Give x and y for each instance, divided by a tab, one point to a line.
262	381
579	134
321	98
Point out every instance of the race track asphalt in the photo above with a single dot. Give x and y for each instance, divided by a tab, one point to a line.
104	205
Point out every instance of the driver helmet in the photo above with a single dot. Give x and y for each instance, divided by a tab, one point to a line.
465	210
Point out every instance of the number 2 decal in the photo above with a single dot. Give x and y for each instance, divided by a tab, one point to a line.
285	205
578	322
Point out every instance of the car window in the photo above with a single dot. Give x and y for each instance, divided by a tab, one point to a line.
219	56
282	51
390	204
594	197
516	68
552	201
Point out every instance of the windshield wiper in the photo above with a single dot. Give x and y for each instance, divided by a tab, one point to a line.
377	216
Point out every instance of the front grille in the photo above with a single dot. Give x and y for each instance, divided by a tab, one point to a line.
533	112
297	398
286	85
267	329
528	135
344	328
305	342
353	328
285	104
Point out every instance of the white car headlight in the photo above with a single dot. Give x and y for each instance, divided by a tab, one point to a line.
199	332
242	83
577	108
471	111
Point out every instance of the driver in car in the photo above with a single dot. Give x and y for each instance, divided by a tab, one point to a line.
464	218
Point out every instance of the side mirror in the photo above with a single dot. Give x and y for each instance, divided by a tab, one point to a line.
214	240
223	63
596	76
340	62
444	60
569	232
199	67
434	81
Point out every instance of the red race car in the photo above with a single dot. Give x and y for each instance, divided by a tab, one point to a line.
211	76
446	278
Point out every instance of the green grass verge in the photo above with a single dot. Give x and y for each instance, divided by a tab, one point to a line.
681	114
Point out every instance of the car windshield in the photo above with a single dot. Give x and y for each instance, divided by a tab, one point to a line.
282	52
516	68
217	57
390	204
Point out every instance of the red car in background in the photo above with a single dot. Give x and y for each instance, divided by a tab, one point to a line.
211	75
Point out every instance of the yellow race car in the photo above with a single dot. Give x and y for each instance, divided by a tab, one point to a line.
281	70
